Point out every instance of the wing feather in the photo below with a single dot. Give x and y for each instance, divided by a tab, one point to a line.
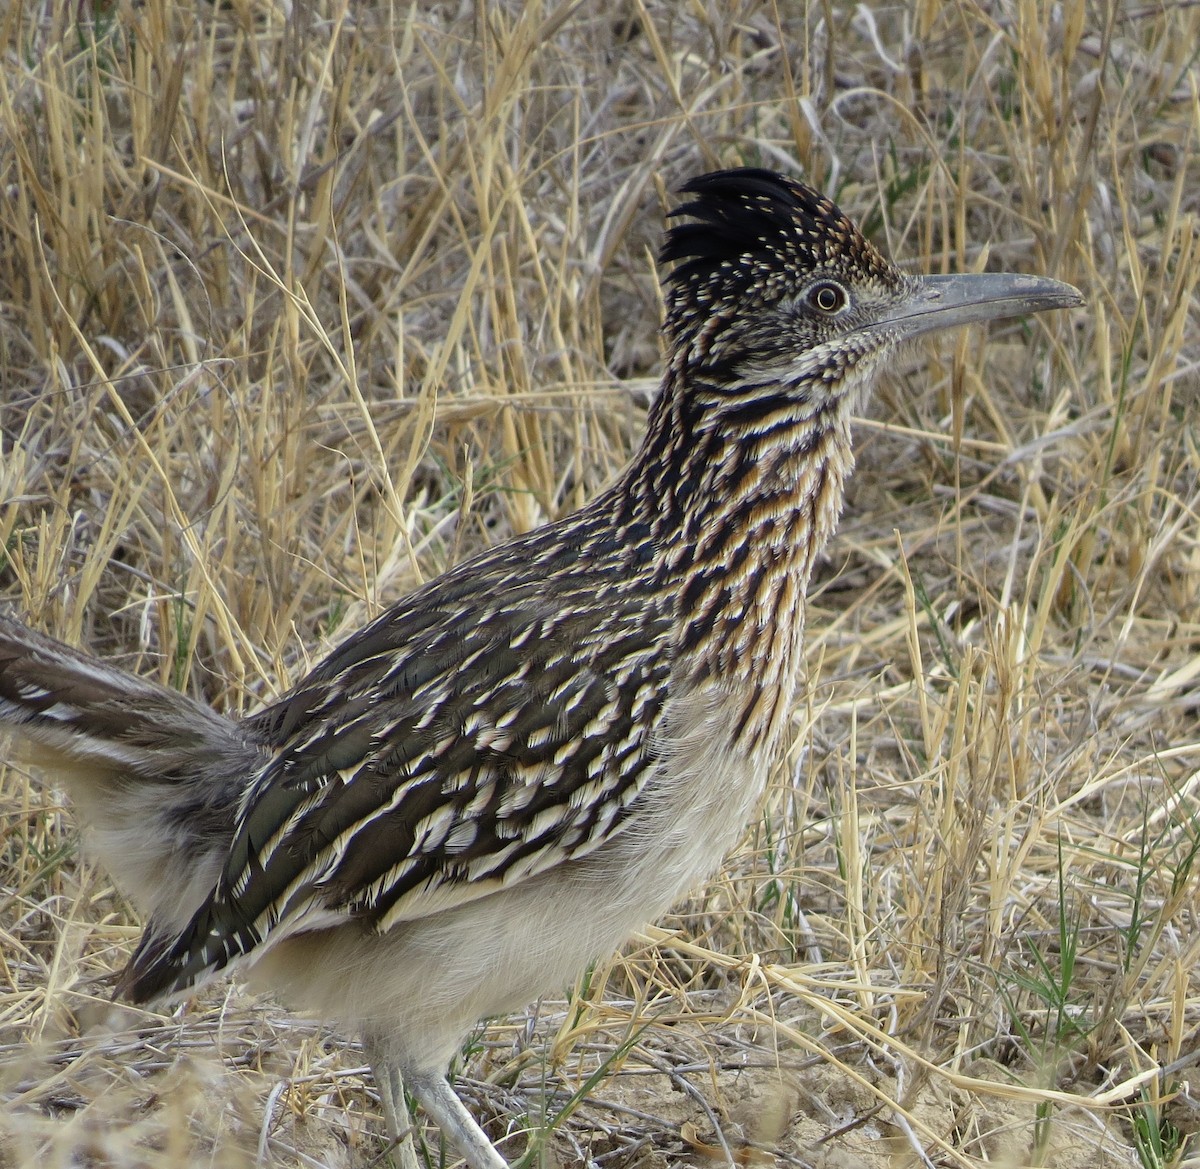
447	750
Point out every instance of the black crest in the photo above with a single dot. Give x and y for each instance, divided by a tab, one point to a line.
757	234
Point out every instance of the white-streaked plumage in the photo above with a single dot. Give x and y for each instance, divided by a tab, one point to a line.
514	767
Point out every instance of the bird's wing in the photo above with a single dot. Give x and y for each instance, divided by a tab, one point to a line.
452	747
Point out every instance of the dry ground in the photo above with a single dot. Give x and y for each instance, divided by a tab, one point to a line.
300	304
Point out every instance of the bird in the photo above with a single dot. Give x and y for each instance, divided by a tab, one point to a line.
508	771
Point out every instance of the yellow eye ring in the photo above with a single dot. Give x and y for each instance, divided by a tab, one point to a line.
827	297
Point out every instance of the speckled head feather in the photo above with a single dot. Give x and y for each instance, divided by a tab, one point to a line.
759	236
762	221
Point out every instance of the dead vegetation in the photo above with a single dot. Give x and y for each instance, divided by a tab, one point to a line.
300	304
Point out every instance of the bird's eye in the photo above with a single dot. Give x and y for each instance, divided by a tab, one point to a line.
827	297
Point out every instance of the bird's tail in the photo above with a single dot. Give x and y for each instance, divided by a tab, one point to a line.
155	775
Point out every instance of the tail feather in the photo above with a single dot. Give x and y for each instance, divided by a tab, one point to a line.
155	774
83	707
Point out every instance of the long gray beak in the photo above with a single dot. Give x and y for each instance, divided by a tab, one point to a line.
944	302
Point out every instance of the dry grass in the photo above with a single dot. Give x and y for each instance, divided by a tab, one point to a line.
298	309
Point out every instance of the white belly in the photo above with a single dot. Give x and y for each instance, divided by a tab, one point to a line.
427	981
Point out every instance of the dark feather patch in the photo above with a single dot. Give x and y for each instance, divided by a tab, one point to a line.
757	233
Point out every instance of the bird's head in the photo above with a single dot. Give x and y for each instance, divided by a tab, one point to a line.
774	286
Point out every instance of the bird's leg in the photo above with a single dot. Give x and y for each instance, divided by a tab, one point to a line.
457	1124
389	1083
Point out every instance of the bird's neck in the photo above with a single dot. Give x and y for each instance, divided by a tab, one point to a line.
745	487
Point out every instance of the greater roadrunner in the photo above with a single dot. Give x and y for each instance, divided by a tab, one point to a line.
507	772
